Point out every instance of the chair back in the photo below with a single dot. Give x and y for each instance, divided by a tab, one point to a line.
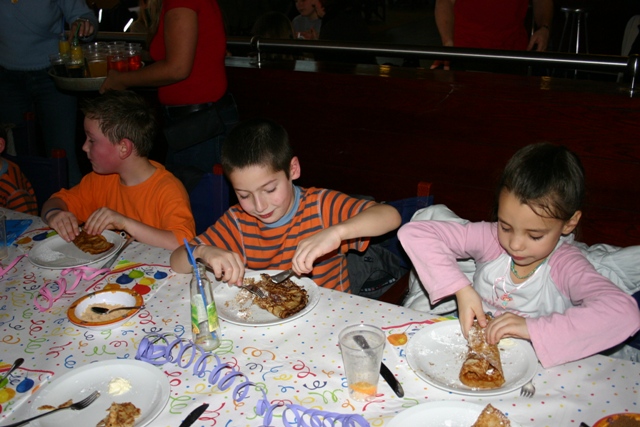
209	198
46	174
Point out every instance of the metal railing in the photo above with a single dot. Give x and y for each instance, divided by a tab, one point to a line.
627	66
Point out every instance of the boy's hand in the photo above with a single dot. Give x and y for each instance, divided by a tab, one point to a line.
506	326
104	219
65	223
314	247
469	308
227	266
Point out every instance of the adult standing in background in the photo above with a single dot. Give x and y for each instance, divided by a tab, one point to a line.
29	33
491	24
189	50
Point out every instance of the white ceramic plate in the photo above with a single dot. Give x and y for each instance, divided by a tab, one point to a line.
53	252
119	297
149	392
437	414
436	354
242	311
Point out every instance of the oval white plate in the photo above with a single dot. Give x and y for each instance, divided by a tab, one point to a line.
247	314
438	414
149	392
436	354
53	252
122	297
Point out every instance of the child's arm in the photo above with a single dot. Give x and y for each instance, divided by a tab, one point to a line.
107	219
227	266
374	221
55	213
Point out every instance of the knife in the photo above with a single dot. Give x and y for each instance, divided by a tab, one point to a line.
384	371
194	415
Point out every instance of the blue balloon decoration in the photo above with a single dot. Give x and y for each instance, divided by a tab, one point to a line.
160	275
124	279
25	385
41	236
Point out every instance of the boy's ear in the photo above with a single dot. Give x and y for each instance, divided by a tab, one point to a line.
570	225
3	144
294	168
125	148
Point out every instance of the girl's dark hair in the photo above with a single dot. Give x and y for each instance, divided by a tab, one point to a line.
257	142
547	177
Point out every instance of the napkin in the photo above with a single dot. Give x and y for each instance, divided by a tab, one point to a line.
16	227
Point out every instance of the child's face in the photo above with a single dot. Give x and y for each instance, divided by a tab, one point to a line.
102	153
524	234
263	193
305	8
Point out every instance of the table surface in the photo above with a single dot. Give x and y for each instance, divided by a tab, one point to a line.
295	363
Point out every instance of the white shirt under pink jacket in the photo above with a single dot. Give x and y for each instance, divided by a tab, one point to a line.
572	311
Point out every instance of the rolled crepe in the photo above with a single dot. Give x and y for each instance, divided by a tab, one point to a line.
482	367
491	417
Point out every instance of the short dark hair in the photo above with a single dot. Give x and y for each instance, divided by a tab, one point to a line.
124	114
257	142
547	177
4	131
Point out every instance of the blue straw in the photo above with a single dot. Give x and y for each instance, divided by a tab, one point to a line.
193	262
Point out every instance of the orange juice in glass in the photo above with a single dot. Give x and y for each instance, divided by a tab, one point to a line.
362	347
97	64
64	47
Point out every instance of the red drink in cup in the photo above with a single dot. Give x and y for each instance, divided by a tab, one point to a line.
135	61
118	63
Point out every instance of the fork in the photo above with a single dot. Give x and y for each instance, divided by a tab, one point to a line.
281	277
528	390
255	290
76	406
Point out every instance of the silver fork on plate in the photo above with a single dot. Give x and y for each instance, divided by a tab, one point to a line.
255	290
528	390
76	406
281	277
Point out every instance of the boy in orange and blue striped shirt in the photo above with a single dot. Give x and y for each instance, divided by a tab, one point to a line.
16	191
277	225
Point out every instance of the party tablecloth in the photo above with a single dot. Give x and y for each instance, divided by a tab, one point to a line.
288	368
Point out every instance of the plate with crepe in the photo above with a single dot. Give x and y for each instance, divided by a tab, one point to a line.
436	354
444	413
236	305
53	252
118	381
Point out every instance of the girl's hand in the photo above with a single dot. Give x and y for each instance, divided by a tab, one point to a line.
227	266
508	325
314	247
469	308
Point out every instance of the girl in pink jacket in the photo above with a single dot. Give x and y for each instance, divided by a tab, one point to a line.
537	285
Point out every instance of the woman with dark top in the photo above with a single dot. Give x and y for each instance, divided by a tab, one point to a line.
189	49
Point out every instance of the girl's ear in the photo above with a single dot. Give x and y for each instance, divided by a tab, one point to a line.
570	225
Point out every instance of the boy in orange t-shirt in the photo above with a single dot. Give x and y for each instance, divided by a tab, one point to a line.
126	191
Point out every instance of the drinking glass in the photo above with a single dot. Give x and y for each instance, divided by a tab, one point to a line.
362	347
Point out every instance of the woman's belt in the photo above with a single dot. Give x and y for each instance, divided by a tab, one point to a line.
177	111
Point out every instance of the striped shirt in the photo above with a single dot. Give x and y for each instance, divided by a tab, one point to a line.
16	192
265	247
